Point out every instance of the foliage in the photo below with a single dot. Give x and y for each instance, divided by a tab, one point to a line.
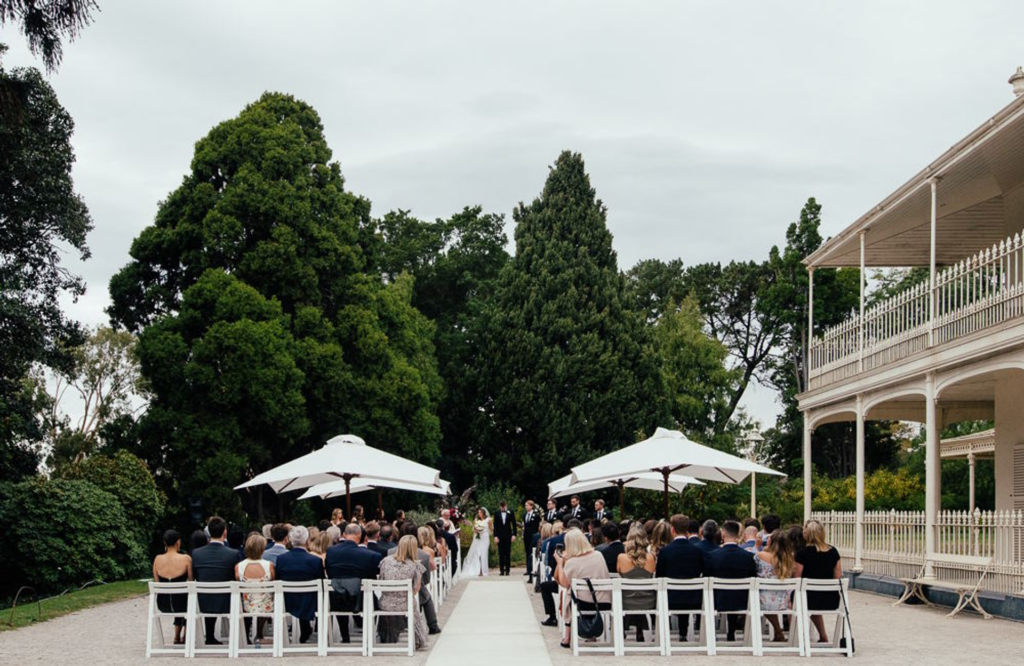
883	490
46	23
63	533
567	369
265	329
41	218
126	477
27	612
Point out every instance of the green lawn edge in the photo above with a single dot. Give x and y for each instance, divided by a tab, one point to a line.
27	612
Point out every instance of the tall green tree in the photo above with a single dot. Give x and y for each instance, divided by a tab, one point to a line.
568	369
261	261
41	219
47	23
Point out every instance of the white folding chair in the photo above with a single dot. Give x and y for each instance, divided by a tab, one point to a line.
155	616
372	616
653	587
258	587
327	625
198	645
435	583
791	588
289	625
751	629
609	640
842	627
697	587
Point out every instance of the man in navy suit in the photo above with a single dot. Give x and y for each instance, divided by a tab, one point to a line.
298	564
731	561
693	531
681	559
709	537
215	563
372	530
348	566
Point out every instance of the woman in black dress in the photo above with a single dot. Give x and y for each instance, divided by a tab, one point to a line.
820	561
173	566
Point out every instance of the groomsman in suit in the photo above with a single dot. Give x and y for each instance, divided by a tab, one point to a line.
504	535
576	510
599	512
552	514
531	524
215	563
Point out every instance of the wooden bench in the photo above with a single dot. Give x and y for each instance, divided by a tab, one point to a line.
967	591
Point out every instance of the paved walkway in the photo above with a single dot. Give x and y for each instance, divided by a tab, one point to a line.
494	625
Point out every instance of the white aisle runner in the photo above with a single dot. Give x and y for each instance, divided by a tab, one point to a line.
493	624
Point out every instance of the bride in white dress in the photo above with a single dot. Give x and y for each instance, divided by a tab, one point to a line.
475	563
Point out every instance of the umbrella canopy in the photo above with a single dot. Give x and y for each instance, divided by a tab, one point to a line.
647	481
362	484
345	457
668	452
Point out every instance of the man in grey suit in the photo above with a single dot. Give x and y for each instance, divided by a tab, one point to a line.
215	563
279	533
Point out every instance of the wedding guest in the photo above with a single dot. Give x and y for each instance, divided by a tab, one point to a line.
599	513
251	570
320	545
662	536
404	564
594	533
399	519
769	523
372	530
680	559
778	561
428	551
299	565
612	546
348	566
265	531
820	561
732	562
579	561
549	585
279	533
323	525
334	532
750	533
173	566
197	540
796	537
314	532
337	517
387	539
214	563
709	536
693	531
636	563
236	538
357	515
649	528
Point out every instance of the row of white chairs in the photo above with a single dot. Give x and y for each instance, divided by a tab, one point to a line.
712	621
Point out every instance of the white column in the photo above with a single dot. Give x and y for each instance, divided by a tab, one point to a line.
931	467
859	547
970	465
860	327
753	495
807	466
810	326
931	265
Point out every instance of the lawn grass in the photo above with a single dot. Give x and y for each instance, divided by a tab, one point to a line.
28	611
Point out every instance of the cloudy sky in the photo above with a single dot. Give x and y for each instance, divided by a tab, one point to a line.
705	125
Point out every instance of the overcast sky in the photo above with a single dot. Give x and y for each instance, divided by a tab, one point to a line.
705	125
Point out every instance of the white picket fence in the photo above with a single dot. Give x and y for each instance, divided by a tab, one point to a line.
894	543
977	293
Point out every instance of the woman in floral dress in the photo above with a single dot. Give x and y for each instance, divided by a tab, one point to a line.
777	561
404	564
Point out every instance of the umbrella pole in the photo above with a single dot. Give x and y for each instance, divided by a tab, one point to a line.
664	474
348	496
380	504
622	500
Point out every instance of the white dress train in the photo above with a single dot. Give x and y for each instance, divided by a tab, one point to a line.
476	563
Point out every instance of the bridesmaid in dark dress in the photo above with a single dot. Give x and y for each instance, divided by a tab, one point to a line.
173	566
820	561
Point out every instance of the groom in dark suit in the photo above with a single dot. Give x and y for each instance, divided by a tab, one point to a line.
504	535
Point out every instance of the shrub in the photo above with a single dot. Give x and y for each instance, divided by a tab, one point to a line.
63	533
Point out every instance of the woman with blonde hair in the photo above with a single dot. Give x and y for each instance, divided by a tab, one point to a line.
820	561
637	563
579	561
256	569
403	564
776	561
660	537
320	544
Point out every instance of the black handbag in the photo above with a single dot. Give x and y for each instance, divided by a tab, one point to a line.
593	626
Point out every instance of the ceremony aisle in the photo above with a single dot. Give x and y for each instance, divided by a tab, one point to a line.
493	624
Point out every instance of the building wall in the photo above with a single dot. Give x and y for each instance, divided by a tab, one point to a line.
1013	206
1009	433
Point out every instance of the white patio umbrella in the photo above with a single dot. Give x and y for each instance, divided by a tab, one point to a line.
666	453
344	458
362	484
646	481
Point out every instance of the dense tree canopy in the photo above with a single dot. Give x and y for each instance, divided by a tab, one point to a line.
568	369
47	23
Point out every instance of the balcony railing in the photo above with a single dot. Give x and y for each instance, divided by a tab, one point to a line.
979	292
894	543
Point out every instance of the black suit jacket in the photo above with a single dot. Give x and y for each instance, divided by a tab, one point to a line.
731	561
531	523
347	560
579	513
507	529
215	563
453	545
378	548
551	515
611	552
299	565
681	559
707	546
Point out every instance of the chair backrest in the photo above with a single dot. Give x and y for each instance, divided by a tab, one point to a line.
169	588
776	585
641	584
685	584
294	586
375	585
215	588
732	583
964	561
265	586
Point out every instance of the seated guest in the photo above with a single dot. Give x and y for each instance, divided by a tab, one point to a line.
636	563
612	546
403	564
372	530
197	540
594	533
796	537
769	524
387	539
279	533
215	563
819	561
543	532
693	531
357	515
314	532
299	565
549	585
709	536
236	538
255	569
579	561
399	519
777	561
661	537
348	566
730	561
750	533
323	525
451	542
649	528
320	545
681	559
265	531
427	553
335	533
173	566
